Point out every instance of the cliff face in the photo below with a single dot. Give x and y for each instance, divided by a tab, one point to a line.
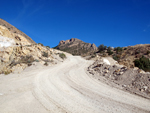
13	30
76	47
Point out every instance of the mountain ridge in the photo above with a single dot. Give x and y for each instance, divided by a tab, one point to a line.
76	47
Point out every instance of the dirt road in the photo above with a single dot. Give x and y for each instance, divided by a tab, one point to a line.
64	88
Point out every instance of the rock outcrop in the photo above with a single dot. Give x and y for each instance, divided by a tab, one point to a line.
19	57
17	50
76	47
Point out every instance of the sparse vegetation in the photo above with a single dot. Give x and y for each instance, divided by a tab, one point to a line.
116	57
36	60
109	51
62	55
48	47
24	59
118	49
143	63
148	52
41	44
125	48
7	72
29	64
102	48
45	54
46	64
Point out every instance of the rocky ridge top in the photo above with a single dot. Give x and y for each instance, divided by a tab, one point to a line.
76	47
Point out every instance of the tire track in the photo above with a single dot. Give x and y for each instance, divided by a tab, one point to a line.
66	88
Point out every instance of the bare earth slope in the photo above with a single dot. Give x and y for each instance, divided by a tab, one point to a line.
64	88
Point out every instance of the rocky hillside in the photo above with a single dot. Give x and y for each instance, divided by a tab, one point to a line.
130	53
133	80
14	30
127	55
76	47
18	51
13	59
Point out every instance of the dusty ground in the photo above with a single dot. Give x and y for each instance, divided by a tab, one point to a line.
64	88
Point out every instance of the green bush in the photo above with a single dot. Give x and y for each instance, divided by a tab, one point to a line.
24	59
62	55
116	57
7	72
109	52
125	48
46	64
48	47
45	54
29	64
36	60
41	44
143	63
102	47
118	49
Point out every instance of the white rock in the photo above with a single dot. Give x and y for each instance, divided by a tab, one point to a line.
124	86
120	73
1	94
6	42
145	87
106	61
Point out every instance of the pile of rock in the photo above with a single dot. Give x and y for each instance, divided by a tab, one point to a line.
19	57
134	80
119	71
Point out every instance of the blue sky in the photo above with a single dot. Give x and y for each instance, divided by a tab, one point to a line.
109	22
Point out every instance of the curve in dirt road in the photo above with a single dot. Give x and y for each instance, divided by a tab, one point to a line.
67	88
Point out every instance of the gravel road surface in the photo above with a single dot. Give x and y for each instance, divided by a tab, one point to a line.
64	88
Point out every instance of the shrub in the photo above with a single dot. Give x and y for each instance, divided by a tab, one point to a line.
148	52
24	59
143	63
93	56
116	57
7	72
118	49
45	54
125	48
62	55
48	47
41	44
102	47
46	64
109	52
104	55
137	52
36	60
29	64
